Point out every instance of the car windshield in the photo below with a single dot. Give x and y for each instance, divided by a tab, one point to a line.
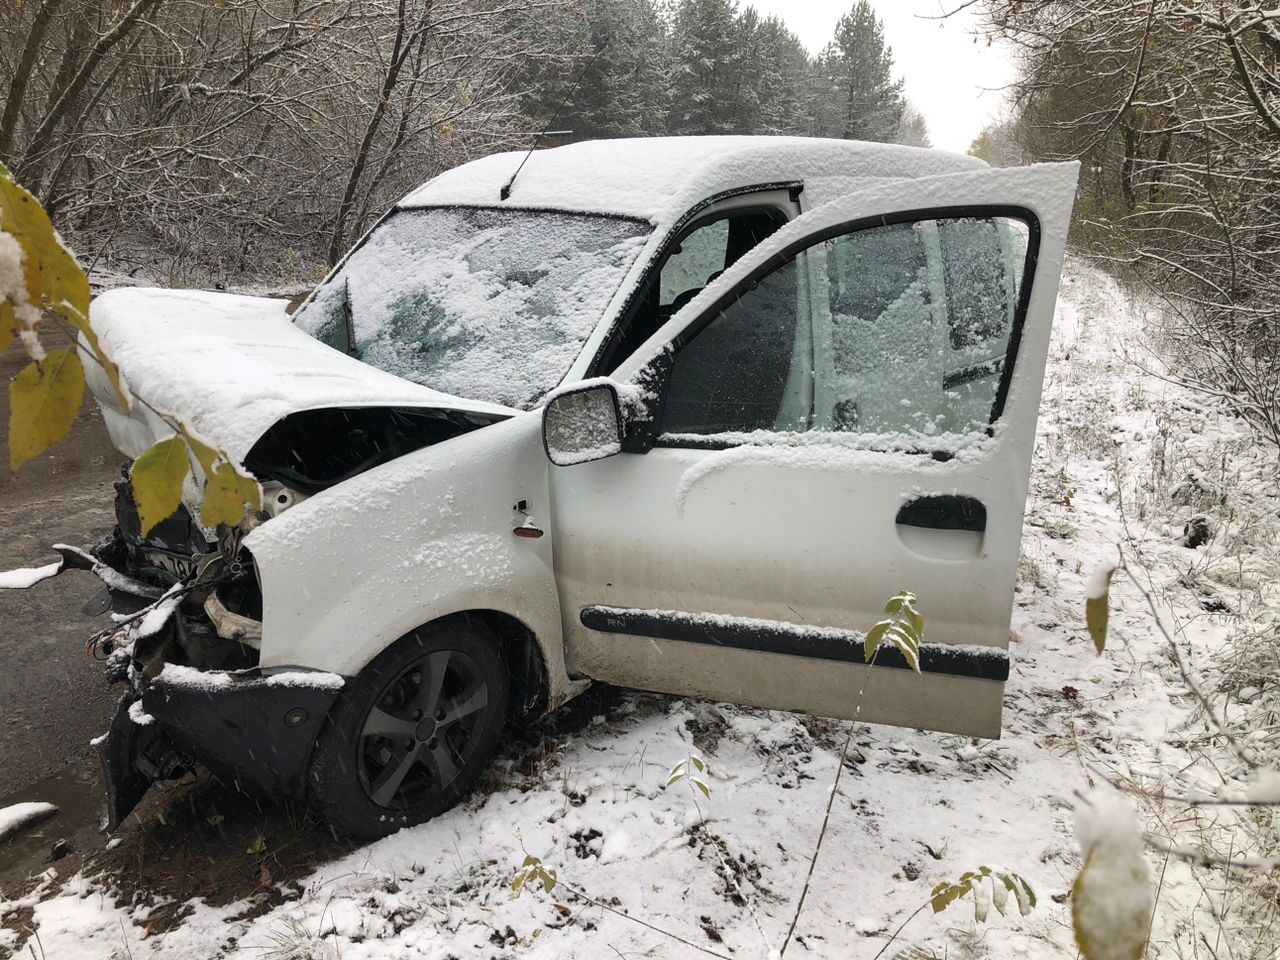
480	303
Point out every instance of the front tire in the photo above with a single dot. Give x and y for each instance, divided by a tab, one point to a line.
412	733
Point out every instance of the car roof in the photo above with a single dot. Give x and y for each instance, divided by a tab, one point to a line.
660	178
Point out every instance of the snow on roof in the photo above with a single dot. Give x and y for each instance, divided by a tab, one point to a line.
659	178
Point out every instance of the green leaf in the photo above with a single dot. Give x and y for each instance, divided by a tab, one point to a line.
548	879
706	791
945	894
1000	890
259	845
875	636
205	455
1001	882
904	630
43	402
697	762
1096	611
157	478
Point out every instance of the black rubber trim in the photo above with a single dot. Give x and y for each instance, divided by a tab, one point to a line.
768	636
979	371
712	441
944	512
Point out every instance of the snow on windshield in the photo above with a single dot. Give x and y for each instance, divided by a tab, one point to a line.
480	303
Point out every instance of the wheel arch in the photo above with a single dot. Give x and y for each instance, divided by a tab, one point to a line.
531	666
525	660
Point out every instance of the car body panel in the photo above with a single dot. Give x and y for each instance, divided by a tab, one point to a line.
659	179
352	569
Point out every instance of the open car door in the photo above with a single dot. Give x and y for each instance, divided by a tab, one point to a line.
848	412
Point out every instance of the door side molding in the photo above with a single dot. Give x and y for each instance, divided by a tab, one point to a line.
792	639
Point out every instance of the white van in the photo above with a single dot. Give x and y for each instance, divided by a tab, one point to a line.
675	414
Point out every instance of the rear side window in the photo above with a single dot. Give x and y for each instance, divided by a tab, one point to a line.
921	318
873	269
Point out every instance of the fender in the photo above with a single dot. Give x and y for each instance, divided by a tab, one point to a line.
354	568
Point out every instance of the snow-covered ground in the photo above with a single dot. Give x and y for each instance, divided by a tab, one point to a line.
1122	457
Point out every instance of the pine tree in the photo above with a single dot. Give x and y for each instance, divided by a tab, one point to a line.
780	68
615	72
708	78
857	68
626	91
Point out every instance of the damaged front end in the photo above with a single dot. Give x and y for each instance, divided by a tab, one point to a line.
184	638
187	611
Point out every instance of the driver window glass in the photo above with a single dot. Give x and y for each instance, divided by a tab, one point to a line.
908	350
921	318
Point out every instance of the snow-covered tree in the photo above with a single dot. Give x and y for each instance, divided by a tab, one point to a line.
857	66
1175	117
912	129
710	78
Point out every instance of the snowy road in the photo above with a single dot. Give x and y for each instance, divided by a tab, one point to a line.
54	698
914	809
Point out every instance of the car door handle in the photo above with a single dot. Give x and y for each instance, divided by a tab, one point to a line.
944	512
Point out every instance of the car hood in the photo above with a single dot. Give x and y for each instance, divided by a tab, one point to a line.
230	368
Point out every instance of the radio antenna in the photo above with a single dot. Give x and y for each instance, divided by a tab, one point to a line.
506	190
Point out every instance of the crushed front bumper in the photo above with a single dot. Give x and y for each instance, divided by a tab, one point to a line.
195	694
251	730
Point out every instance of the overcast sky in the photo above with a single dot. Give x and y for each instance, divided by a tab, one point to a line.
954	82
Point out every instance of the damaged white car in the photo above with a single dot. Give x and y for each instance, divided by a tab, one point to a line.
674	414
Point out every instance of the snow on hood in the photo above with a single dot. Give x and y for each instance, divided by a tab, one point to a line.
229	367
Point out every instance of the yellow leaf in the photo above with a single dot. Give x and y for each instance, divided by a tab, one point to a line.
1096	613
226	494
51	271
8	325
43	402
1111	906
1096	616
53	278
157	478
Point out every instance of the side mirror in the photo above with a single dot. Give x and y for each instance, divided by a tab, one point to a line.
582	424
